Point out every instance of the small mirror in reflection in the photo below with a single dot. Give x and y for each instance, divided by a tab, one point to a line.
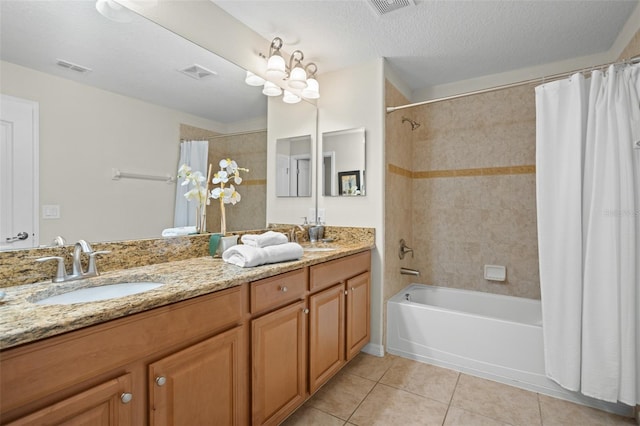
343	163
293	170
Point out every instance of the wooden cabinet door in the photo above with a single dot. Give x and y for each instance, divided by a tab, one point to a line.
200	385
279	363
326	335
108	404
358	316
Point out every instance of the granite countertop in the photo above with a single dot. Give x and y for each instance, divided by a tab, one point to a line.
22	321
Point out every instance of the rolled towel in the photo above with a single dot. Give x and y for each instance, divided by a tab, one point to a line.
269	238
247	256
182	230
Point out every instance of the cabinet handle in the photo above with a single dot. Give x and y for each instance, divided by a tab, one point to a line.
161	380
126	397
305	311
284	289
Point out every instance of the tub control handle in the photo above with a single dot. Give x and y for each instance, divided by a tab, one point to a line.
404	249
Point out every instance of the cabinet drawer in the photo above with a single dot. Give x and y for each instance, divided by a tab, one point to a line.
277	291
326	274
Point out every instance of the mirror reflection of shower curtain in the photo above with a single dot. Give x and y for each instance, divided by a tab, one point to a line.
588	201
196	155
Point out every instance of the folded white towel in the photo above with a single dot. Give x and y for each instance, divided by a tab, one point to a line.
182	230
247	256
269	238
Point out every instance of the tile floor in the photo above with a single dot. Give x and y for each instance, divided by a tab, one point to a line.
397	391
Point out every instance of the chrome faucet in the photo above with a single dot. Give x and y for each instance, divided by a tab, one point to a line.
76	266
81	247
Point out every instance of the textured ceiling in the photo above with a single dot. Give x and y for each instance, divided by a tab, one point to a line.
139	59
437	42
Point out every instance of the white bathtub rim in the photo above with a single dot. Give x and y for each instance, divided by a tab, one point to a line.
399	298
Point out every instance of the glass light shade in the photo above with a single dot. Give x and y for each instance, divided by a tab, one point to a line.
253	80
276	69
298	78
290	98
271	89
312	91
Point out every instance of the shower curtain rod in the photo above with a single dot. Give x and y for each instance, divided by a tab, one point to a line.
632	60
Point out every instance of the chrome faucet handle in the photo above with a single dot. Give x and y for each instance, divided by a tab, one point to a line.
93	268
80	247
61	273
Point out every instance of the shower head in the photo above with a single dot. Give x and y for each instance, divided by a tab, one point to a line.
414	124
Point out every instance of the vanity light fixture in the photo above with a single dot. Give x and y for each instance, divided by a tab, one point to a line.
300	78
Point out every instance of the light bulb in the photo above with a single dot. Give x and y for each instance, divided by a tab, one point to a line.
290	98
298	78
253	80
312	91
276	69
271	89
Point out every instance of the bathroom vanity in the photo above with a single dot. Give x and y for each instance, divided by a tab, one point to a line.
236	346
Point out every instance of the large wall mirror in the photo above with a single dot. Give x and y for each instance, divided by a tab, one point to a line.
122	95
343	163
293	166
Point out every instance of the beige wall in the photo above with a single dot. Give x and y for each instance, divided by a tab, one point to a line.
633	48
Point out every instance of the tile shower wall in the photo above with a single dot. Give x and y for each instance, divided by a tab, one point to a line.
473	190
249	150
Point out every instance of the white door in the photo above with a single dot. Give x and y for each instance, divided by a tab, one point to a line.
282	175
304	177
18	173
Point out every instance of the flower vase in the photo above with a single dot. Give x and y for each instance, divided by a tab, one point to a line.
201	220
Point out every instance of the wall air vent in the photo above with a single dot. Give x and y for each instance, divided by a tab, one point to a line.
71	66
382	7
197	71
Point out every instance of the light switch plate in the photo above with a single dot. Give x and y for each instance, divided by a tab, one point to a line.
51	211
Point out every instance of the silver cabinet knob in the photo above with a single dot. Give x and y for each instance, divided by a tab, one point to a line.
346	292
283	289
305	311
126	397
161	380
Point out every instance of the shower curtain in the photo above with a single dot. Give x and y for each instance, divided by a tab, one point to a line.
196	155
588	195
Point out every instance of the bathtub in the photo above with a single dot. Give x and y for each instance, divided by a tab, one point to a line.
487	335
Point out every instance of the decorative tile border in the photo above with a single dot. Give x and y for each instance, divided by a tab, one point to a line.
485	171
254	181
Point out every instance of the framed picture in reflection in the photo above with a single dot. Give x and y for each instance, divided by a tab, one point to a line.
349	182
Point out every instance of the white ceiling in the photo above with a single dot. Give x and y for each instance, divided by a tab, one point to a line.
437	42
139	59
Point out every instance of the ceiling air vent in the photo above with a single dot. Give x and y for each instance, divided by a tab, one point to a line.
197	71
382	7
71	66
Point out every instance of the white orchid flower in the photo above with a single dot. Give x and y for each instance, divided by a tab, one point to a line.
216	193
234	196
237	179
220	176
198	193
184	170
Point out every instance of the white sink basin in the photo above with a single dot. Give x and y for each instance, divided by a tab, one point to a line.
95	294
